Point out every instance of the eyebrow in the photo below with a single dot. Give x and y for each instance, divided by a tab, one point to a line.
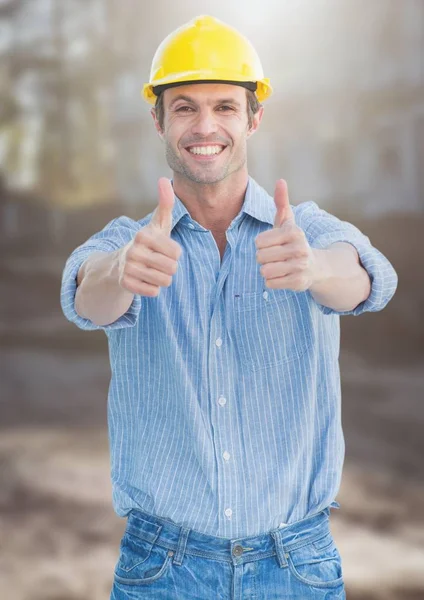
219	101
180	97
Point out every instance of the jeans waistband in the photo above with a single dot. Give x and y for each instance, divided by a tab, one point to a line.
183	540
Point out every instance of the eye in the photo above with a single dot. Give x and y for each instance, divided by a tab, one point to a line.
184	109
225	108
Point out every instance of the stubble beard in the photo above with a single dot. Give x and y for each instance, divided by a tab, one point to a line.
201	174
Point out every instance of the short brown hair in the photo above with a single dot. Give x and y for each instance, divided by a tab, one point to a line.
253	105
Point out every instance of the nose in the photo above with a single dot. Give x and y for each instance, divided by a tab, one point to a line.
205	124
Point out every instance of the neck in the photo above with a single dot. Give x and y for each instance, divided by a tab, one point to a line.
213	206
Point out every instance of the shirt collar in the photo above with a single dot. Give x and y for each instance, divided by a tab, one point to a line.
178	211
257	203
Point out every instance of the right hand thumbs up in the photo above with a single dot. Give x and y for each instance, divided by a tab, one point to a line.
150	260
162	217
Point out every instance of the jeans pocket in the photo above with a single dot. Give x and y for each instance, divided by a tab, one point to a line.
317	563
140	561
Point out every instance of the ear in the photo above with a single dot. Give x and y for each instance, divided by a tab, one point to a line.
156	122
257	118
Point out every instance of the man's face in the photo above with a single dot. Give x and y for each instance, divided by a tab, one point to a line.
205	130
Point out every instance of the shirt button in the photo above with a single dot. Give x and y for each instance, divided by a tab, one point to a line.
265	295
222	400
191	225
226	455
228	512
218	342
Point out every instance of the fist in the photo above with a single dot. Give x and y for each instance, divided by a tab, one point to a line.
150	260
287	260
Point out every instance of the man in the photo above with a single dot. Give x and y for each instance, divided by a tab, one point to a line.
222	314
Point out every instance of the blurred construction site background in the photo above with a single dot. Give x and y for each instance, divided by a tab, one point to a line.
345	128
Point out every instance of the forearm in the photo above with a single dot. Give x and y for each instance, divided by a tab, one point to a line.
99	295
341	283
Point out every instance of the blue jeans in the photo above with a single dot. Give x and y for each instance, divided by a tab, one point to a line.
158	559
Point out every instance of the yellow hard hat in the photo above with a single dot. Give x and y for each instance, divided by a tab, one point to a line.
205	49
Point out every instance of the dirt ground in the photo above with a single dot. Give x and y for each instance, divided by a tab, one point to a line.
60	536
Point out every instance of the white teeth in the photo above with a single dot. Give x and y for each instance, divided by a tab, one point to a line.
206	150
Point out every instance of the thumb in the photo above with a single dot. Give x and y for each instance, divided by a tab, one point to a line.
162	217
281	198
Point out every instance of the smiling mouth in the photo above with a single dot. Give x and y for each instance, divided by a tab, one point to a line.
205	152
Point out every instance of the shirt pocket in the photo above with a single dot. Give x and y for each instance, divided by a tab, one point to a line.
272	327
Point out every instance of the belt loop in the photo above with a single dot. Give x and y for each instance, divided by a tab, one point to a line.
182	541
281	554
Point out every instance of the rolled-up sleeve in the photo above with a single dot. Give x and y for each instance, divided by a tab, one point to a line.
322	230
113	236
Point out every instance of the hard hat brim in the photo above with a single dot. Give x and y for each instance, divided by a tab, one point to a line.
261	88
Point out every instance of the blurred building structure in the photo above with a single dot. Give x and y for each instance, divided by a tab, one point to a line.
345	125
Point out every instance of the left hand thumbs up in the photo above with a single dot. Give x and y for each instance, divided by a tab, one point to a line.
288	261
281	198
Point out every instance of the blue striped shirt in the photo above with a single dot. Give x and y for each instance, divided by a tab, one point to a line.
224	406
